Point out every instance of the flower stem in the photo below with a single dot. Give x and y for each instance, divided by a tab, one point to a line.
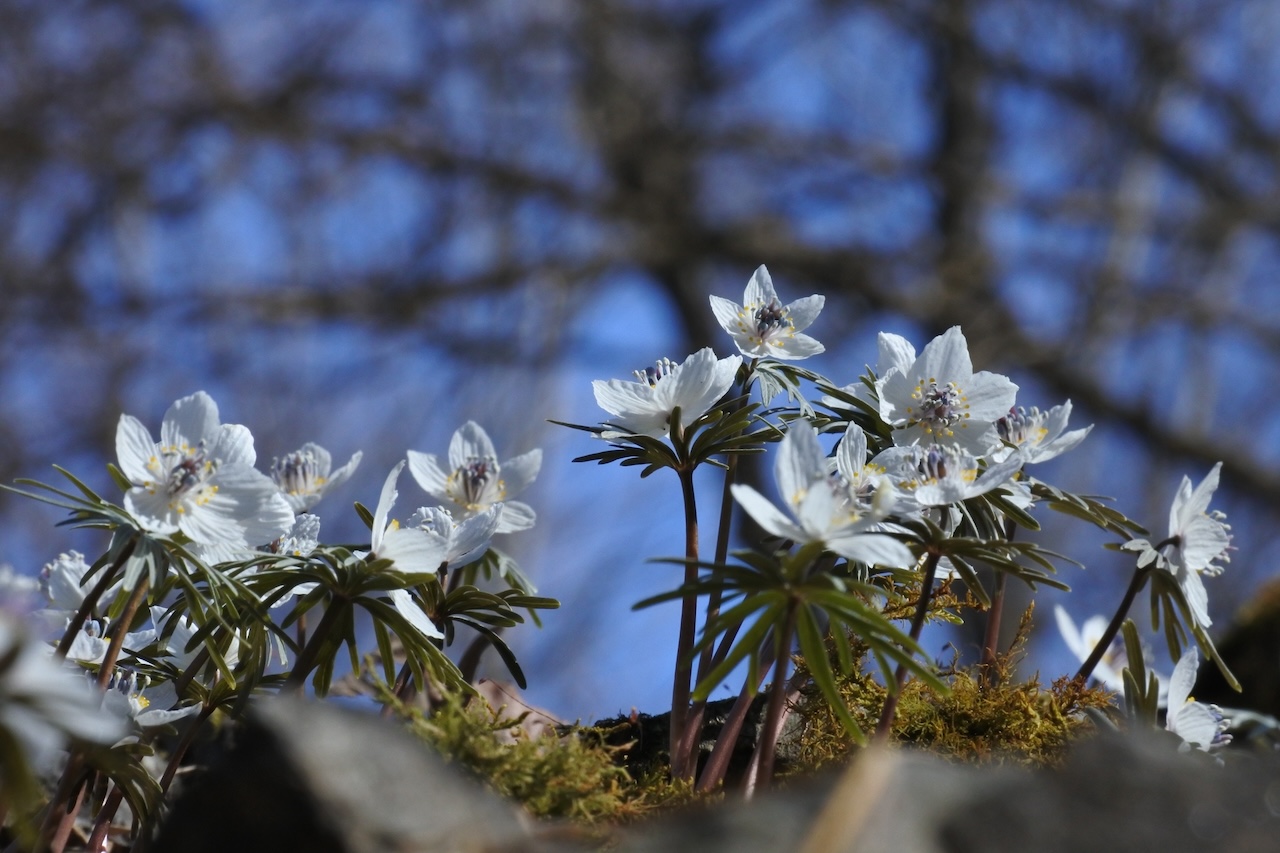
917	625
697	714
767	746
119	629
718	764
1104	642
307	657
991	639
680	687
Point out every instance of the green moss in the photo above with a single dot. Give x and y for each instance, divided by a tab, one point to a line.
575	775
986	716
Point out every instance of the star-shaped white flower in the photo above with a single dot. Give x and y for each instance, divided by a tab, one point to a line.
199	478
412	549
938	399
1082	641
937	475
304	475
1198	539
644	407
763	327
1198	724
125	698
476	481
820	504
1039	435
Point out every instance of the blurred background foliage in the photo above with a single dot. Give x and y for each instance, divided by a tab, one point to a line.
363	223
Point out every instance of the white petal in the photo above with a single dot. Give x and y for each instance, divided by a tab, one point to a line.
134	449
409	609
804	311
413	549
765	514
728	314
1183	678
190	420
946	359
471	538
851	455
1070	635
385	501
470	442
151	510
233	444
874	549
800	461
516	516
895	351
428	473
759	289
344	473
795	348
1194	723
519	471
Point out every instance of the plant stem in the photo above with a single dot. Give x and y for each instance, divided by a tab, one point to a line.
680	686
188	737
697	714
119	629
718	764
91	600
991	639
1104	642
917	625
767	746
307	657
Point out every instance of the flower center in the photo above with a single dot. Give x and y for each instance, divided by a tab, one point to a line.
938	407
1022	425
189	469
298	473
771	317
651	376
476	484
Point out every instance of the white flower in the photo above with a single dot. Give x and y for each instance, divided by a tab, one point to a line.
304	475
465	541
199	478
895	352
42	703
762	326
62	582
937	475
644	407
821	504
124	697
91	644
412	549
939	399
1039	435
476	481
1082	641
1197	541
1198	724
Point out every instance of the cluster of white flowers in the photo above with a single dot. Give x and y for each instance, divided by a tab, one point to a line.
953	435
198	485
